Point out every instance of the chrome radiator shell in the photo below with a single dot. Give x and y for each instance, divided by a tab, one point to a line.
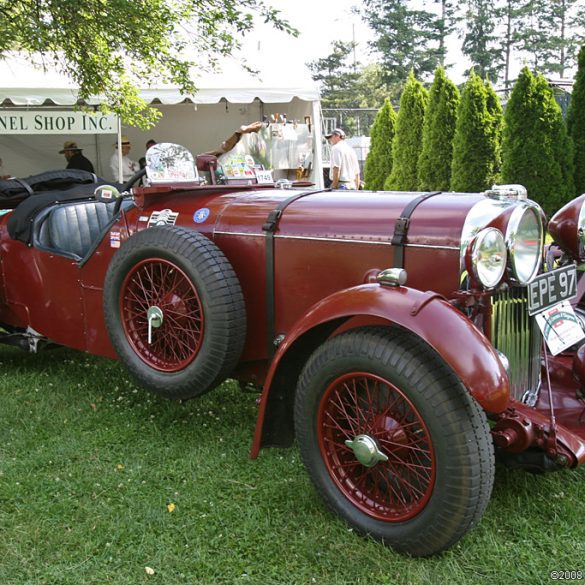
518	337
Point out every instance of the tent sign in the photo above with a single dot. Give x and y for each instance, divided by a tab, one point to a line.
52	122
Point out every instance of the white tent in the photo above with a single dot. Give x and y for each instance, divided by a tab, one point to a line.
224	101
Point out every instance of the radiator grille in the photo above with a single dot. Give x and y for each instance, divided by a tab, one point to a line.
518	337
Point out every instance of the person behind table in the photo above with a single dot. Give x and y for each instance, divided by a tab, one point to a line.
76	160
142	160
345	169
129	166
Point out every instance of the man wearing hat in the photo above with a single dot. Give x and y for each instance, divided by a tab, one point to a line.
345	169
75	160
129	166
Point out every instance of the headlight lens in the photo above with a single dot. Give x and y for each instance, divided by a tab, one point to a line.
488	257
524	237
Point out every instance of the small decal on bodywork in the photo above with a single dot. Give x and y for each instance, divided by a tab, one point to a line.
163	217
201	215
143	218
114	239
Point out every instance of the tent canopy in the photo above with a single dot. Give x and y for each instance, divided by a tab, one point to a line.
224	101
24	84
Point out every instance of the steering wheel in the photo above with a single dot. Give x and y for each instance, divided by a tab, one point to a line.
125	191
133	179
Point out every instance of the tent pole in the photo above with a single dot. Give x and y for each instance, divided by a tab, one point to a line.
96	143
120	174
317	145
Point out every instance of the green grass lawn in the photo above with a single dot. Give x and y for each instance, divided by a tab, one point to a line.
102	483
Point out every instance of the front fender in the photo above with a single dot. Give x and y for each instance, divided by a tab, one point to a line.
429	316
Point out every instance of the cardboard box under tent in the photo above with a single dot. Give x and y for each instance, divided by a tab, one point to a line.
38	114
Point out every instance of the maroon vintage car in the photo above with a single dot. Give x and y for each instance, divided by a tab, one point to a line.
397	336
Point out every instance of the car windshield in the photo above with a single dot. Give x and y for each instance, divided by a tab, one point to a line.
166	162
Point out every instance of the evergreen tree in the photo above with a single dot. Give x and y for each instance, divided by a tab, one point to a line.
405	38
494	108
512	13
576	123
407	142
337	77
549	35
434	163
379	162
445	25
536	149
481	42
476	145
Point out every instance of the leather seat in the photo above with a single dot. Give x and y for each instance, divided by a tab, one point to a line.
74	229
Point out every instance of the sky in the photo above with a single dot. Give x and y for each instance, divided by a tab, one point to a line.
320	22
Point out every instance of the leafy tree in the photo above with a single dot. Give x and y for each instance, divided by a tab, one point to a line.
476	143
405	38
372	90
407	142
379	162
109	48
576	123
536	149
337	77
434	163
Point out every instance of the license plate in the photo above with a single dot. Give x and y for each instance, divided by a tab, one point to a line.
551	288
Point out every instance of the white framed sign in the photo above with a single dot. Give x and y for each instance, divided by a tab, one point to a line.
560	327
264	177
54	122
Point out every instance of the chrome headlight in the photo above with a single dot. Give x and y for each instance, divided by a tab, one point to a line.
524	238
487	257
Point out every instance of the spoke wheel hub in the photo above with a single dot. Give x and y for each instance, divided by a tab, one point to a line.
376	446
366	450
162	314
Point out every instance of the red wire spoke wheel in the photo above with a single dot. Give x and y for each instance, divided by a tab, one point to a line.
174	311
393	442
177	333
376	447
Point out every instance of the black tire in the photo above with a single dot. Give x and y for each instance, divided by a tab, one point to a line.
189	281
390	390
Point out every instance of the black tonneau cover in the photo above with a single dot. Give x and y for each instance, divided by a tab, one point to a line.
13	191
30	195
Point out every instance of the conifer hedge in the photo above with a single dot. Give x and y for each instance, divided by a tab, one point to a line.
379	161
434	163
407	142
536	148
576	124
476	144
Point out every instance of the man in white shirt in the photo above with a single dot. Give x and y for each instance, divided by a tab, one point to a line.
129	166
345	169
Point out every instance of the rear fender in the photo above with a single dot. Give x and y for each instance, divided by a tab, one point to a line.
429	316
